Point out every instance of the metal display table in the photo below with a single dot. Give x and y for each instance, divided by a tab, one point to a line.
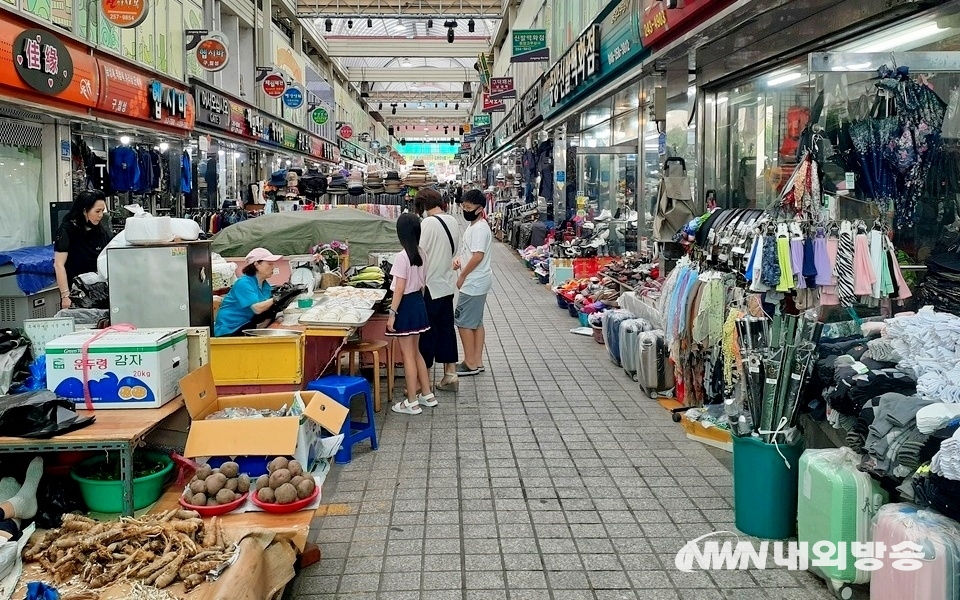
117	429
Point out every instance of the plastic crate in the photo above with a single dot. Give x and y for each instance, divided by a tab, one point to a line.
245	360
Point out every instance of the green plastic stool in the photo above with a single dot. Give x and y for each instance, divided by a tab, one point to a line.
764	489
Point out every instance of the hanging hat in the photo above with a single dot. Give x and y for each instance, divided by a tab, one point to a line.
278	178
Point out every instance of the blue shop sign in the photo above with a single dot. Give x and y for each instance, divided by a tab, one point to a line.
606	48
293	97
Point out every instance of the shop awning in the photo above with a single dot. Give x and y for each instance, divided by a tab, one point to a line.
295	232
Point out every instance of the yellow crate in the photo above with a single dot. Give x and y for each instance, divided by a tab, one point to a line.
257	360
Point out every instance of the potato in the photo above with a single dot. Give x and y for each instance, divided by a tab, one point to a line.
231	484
306	488
243	483
215	483
277	463
286	494
212	502
198	486
225	496
266	495
230	469
279	477
295	480
263	481
199	499
203	472
294	468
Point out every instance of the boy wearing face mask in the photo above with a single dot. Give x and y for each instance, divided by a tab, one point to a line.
474	282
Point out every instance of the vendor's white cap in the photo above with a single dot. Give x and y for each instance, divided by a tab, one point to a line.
258	254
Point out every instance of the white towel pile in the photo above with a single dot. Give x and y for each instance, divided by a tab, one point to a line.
947	462
929	346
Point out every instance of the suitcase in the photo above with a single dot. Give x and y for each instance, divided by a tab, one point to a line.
612	320
654	371
939	576
836	502
629	330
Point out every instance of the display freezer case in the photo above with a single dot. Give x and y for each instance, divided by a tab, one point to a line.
167	285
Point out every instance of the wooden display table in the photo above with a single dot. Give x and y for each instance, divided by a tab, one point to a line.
119	430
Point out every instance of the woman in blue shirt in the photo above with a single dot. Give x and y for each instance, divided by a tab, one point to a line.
249	298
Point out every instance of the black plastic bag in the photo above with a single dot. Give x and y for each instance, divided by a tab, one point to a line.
89	291
56	497
38	415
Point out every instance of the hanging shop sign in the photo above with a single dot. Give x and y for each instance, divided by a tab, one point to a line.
42	61
129	93
293	97
491	106
365	137
620	29
577	65
484	60
345	131
210	49
213	108
531	102
480	121
502	88
124	14
320	115
274	85
659	25
530	45
375	145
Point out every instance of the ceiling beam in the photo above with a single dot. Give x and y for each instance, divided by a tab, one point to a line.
347	47
418	97
414	74
437	9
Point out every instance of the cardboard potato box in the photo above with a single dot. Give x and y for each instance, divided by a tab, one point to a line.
126	369
299	437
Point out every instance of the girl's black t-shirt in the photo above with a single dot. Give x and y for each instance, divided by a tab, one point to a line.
82	246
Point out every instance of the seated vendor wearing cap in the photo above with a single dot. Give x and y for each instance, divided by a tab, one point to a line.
250	300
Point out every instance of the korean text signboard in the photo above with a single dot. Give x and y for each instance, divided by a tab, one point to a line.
530	45
656	20
125	13
577	65
502	88
43	62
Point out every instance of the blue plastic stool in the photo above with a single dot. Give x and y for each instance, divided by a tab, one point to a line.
343	388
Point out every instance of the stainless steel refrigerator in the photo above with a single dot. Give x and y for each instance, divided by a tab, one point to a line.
168	285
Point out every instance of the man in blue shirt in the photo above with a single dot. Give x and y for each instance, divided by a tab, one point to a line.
251	296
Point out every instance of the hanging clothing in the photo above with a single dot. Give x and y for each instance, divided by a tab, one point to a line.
186	174
786	269
864	276
124	169
844	266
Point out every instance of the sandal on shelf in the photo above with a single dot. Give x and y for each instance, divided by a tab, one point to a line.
429	400
449	383
406	407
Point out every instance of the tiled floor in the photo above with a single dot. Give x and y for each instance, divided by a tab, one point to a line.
550	476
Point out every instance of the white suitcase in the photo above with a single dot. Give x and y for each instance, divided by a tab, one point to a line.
630	344
654	371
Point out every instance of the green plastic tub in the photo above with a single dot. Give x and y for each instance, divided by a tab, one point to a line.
107	496
764	489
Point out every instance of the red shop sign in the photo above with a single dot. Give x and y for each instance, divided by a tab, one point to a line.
124	13
212	54
656	21
34	60
345	131
274	85
131	94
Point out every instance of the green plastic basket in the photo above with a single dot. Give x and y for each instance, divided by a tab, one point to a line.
107	496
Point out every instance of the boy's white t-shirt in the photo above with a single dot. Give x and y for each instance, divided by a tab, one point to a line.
477	237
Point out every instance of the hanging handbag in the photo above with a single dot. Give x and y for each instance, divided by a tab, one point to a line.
675	205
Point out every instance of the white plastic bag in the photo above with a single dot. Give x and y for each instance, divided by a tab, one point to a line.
144	228
185	229
118	241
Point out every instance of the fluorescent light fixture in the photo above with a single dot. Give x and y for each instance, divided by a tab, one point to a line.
406	63
221	153
722	99
164	146
691	91
908	38
784	78
124	139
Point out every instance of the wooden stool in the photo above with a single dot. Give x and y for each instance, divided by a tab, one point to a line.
355	351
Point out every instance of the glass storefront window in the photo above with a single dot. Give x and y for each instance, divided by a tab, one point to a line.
20	177
596	137
595	115
626	127
627	99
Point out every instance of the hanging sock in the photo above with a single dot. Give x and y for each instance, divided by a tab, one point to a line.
809	271
786	269
844	266
903	290
864	277
770	267
796	261
821	258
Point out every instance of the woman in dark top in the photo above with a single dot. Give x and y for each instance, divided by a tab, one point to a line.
79	241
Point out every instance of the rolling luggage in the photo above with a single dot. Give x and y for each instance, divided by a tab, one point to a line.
837	502
612	321
654	371
629	330
938	577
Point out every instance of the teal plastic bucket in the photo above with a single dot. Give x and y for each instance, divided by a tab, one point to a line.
764	489
584	320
